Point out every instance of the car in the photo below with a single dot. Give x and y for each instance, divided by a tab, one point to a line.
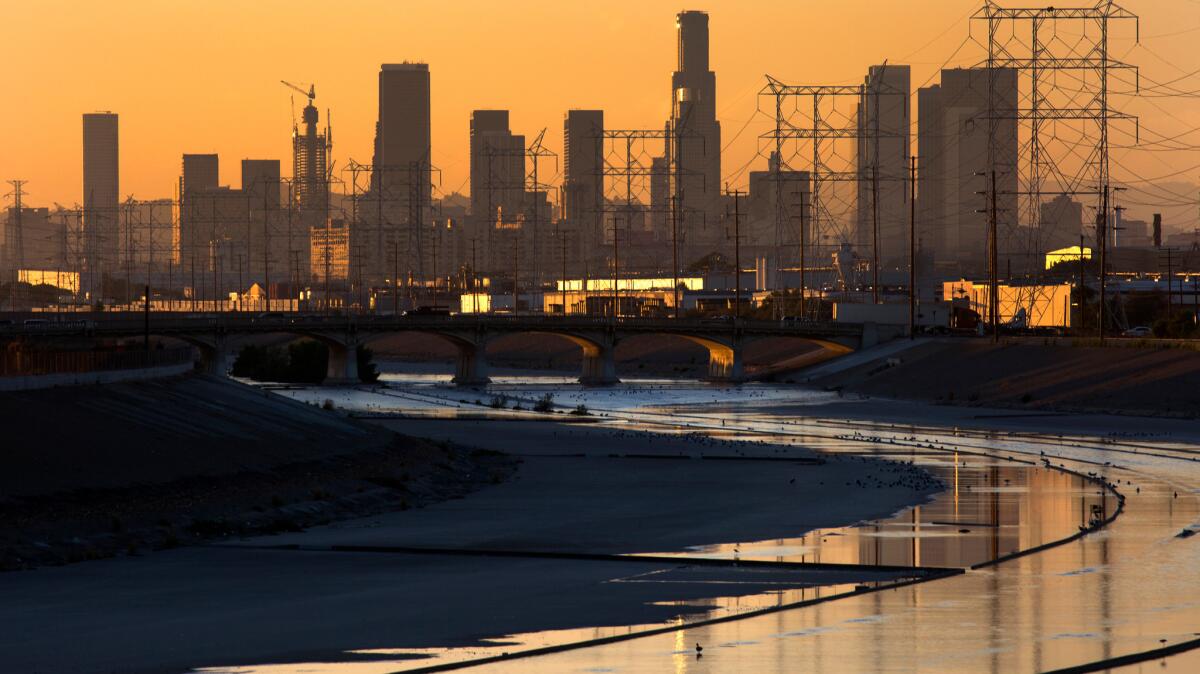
1139	331
36	323
427	311
270	316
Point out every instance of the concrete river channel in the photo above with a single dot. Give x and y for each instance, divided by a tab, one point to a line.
1051	542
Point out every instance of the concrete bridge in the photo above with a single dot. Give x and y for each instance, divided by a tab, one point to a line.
217	336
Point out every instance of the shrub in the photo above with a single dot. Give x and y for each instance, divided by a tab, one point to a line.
544	404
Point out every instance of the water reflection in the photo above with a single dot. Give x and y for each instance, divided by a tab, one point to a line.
988	510
1125	589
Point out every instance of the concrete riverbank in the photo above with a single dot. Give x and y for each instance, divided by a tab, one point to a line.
126	468
578	489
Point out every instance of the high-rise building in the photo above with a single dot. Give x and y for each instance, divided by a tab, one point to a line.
497	166
267	236
959	142
43	240
201	173
403	135
583	168
883	165
696	136
310	166
773	212
394	213
497	184
101	194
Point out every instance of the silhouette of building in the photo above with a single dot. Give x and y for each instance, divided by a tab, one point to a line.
497	185
953	132
497	166
398	205
1060	224
268	240
697	138
772	214
310	166
101	195
883	164
201	174
583	169
43	245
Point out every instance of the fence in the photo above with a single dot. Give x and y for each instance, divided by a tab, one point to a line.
27	363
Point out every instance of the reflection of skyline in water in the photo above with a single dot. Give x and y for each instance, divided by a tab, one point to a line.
1110	593
989	509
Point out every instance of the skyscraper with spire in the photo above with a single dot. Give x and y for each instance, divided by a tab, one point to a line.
695	139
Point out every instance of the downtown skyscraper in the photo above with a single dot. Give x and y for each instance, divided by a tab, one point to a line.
101	195
959	143
695	139
881	227
393	215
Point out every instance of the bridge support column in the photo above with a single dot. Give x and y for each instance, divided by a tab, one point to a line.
471	368
725	364
214	357
343	365
599	364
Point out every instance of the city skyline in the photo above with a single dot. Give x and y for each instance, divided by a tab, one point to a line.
248	116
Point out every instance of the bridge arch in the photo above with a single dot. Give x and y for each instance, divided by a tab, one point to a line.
470	367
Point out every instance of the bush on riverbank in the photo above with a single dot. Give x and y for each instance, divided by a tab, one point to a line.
302	362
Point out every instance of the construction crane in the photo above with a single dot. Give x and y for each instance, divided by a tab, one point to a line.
311	93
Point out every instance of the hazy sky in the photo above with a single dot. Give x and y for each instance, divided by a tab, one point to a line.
203	76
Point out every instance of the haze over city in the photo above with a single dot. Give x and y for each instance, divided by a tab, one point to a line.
520	336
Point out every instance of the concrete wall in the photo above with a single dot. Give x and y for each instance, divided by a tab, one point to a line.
35	382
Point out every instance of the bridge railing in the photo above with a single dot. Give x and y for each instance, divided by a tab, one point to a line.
21	363
299	323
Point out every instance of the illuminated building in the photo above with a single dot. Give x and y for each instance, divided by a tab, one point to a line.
329	254
1043	306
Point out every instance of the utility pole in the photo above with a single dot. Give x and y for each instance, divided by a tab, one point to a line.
737	254
993	263
875	230
516	272
564	271
146	320
803	246
474	273
675	254
395	277
1102	235
912	248
267	237
1170	288
616	274
1082	300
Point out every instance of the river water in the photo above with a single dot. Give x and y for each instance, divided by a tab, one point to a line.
1127	588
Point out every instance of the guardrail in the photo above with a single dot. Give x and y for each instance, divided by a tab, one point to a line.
32	363
201	323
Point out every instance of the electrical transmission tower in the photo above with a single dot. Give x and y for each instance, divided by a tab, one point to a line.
533	155
815	142
15	243
1062	112
641	178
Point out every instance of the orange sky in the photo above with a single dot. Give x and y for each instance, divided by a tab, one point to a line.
191	76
